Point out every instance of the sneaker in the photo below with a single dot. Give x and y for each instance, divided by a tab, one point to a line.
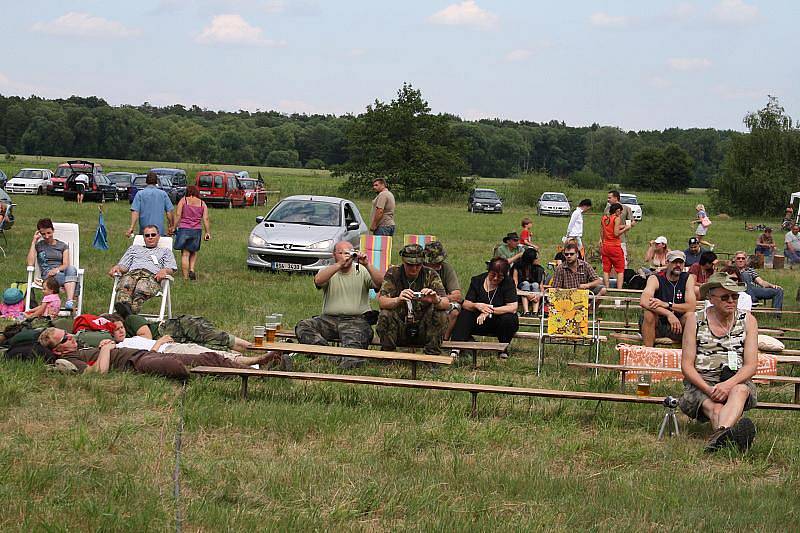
454	354
123	309
65	367
504	355
69	305
743	433
192	275
718	439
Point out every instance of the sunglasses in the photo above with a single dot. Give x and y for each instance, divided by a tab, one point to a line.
151	235
727	297
569	254
740	258
64	339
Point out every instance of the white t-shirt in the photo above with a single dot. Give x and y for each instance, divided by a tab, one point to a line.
792	241
82	178
575	227
141	343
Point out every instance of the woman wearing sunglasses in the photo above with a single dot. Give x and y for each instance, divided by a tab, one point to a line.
720	355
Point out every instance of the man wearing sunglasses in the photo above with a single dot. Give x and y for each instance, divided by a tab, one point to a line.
757	287
575	273
142	268
666	299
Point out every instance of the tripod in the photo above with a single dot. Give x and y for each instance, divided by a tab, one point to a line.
670	422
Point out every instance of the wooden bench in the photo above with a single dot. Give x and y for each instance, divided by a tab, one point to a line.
473	388
534	335
624	369
338	351
475	347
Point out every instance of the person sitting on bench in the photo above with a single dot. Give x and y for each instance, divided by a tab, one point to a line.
345	289
435	258
142	268
575	273
719	358
413	304
490	307
108	357
666	299
757	287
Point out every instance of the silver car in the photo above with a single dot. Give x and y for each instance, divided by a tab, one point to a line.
553	203
298	234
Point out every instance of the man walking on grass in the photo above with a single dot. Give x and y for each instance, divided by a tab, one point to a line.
382	217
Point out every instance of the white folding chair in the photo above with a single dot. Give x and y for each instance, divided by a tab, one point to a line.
165	293
69	234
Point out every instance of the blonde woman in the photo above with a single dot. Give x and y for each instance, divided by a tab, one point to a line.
703	223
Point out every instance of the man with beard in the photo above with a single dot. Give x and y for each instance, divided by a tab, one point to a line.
666	299
575	273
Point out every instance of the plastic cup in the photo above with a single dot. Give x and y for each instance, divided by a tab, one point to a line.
272	329
279	320
258	335
643	385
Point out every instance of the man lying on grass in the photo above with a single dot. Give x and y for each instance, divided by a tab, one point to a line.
108	357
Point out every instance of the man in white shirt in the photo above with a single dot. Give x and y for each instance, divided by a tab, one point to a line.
575	227
792	240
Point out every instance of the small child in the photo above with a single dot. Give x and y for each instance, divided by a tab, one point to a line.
51	302
525	235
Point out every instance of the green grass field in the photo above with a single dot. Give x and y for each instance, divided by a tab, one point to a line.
98	452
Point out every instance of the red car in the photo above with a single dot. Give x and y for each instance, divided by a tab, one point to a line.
254	192
64	170
221	189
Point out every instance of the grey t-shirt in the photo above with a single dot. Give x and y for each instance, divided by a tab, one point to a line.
50	256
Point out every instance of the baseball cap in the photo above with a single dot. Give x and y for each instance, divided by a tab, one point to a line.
693	240
674	255
660	240
723	280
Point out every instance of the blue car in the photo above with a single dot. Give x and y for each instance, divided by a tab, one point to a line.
164	183
177	179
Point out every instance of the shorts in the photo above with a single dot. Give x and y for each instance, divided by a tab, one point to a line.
692	400
700	230
80	188
662	328
613	257
187	239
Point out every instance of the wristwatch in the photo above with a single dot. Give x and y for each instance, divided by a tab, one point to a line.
669	306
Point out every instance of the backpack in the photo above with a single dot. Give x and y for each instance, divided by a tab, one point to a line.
633	280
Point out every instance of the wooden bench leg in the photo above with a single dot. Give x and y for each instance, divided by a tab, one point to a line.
474	404
622	375
474	359
244	387
797	393
413	370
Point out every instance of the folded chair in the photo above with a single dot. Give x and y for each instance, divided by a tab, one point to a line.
422	240
571	320
5	224
165	309
69	234
379	252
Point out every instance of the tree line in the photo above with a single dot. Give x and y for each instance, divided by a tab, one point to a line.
590	156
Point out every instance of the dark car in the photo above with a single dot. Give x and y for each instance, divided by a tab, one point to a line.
122	181
164	183
98	189
484	201
3	179
177	181
57	182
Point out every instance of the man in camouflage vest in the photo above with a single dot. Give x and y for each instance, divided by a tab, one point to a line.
435	258
413	302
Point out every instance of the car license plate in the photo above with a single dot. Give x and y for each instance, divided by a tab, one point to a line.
205	193
488	208
287	266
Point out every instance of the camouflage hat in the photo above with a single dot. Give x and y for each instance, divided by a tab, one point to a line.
413	254
434	252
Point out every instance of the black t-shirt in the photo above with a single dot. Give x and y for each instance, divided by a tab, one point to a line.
534	274
506	293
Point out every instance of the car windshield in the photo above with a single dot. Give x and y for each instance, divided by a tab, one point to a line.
486	195
119	177
63	172
4	197
250	185
630	200
209	180
25	173
554	197
164	181
140	181
306	212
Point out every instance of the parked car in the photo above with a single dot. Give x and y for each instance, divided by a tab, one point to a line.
29	181
98	189
122	181
177	180
3	179
484	200
219	188
242	174
298	234
553	203
631	201
254	192
5	199
64	170
164	183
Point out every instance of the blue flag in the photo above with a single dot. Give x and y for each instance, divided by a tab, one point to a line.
101	235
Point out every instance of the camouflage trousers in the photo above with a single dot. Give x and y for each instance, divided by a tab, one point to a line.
136	287
393	330
350	331
197	330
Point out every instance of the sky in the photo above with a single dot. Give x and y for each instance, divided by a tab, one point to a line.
632	64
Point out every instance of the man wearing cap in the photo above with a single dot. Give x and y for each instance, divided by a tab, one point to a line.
703	269
413	302
693	251
666	299
435	259
757	287
719	358
792	245
510	249
345	289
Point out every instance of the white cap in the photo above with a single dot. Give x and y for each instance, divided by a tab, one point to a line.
660	240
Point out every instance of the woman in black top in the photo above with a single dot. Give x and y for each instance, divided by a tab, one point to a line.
490	307
528	276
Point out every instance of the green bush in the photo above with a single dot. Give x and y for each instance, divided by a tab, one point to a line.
586	179
316	164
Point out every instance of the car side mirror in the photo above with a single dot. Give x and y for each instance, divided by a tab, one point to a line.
259	220
353	226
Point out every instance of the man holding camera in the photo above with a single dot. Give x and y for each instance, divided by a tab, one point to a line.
345	300
435	259
413	302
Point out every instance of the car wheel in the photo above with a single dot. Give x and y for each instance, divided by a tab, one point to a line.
39	191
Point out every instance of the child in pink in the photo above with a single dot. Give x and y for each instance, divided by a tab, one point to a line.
51	302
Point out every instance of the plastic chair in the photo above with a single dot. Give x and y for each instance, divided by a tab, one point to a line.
69	234
379	252
166	285
422	240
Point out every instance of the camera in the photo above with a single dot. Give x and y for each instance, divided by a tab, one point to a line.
412	330
670	402
354	255
417	295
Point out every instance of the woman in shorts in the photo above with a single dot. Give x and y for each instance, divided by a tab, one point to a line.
190	213
611	227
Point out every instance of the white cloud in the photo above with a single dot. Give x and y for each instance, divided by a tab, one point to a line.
520	54
734	12
467	13
689	63
233	29
75	24
604	20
